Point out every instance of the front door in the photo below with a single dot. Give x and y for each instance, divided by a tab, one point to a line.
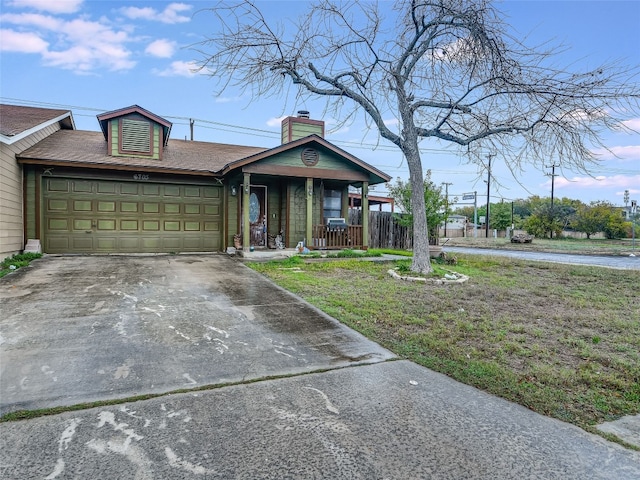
258	216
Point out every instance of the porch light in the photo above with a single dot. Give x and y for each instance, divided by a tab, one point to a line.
234	190
310	191
246	188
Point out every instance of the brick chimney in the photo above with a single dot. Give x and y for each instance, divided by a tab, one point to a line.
294	128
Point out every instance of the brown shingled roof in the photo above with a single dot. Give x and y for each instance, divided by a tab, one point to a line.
89	149
15	119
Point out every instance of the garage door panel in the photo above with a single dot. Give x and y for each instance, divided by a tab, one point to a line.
108	244
58	224
129	244
57	244
151	243
107	187
82	205
128	207
57	205
172	225
82	243
125	217
82	224
129	225
81	186
172	243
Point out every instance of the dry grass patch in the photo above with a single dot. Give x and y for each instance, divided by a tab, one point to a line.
563	340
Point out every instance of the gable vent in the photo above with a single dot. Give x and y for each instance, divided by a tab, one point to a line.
310	157
136	136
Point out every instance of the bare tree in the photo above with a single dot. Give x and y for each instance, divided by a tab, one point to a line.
444	69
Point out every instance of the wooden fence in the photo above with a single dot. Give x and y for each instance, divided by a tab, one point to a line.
384	231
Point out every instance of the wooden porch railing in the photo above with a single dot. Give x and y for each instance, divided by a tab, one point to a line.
337	238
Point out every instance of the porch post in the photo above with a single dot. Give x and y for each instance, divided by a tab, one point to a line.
246	227
365	215
309	195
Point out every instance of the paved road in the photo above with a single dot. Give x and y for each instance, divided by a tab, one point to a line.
78	328
626	262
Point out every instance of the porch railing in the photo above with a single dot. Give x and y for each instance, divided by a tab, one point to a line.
328	238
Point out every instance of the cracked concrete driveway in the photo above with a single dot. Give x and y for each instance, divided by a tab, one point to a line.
85	328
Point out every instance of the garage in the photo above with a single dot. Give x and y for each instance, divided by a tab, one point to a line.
105	216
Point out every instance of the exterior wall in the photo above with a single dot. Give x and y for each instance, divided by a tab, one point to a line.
294	128
12	215
292	158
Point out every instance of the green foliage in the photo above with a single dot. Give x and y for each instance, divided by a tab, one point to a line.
600	217
18	260
436	204
500	216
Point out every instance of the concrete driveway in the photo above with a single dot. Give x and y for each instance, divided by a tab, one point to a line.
84	328
75	329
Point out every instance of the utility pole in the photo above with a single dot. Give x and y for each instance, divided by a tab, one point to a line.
191	123
446	207
488	192
553	178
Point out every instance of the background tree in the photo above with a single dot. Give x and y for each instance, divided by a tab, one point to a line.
543	221
437	209
589	220
449	70
500	218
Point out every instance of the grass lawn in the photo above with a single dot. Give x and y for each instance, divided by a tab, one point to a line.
562	340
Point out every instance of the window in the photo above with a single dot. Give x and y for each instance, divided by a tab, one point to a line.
332	204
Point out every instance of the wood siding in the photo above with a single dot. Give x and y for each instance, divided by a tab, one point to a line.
115	139
12	215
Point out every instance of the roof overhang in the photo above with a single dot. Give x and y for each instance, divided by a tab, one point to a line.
66	120
368	172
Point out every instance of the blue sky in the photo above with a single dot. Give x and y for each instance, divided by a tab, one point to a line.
93	56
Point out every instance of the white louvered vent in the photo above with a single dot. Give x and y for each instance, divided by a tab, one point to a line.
136	136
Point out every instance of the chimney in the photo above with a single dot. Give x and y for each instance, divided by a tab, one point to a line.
295	128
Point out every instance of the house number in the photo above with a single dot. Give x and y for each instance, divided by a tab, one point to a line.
140	176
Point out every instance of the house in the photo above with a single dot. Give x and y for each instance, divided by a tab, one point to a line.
21	128
130	188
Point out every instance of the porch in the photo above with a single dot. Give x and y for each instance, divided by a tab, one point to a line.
326	237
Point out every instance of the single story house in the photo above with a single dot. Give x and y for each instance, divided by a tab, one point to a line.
130	188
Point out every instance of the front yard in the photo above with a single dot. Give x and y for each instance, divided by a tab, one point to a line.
562	340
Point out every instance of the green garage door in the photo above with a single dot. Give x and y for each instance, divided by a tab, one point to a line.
97	216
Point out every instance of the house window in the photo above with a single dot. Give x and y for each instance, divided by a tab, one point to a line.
332	204
136	136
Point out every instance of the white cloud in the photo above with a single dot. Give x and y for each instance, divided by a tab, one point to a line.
227	99
11	41
177	69
275	121
629	152
80	45
45	22
633	124
171	14
161	48
52	6
601	181
392	123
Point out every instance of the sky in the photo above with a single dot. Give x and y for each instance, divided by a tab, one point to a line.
94	56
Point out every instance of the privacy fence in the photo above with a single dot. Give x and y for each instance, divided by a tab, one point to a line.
384	230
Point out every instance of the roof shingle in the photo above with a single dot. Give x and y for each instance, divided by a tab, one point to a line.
15	119
86	148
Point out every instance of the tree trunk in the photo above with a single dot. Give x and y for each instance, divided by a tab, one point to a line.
421	261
